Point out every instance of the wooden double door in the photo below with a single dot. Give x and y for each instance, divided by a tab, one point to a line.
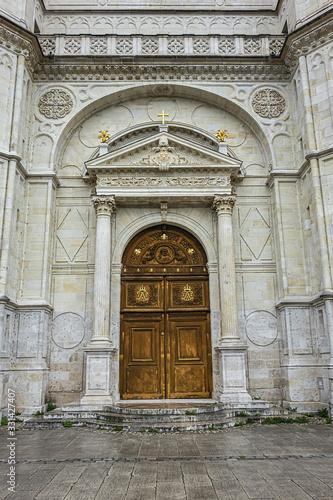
165	347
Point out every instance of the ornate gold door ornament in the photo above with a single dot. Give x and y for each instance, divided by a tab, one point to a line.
142	295
187	294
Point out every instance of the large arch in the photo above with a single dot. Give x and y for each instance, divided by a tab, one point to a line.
177	90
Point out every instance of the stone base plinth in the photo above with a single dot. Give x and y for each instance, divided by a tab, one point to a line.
233	373
98	375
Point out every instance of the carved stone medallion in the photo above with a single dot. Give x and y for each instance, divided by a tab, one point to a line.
55	104
268	103
68	330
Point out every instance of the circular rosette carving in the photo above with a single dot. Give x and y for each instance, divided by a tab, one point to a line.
268	103
55	104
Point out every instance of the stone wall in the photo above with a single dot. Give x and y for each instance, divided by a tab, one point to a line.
276	103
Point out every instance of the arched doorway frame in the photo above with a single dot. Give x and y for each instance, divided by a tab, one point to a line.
207	241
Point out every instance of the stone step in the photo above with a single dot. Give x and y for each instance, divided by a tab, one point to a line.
161	419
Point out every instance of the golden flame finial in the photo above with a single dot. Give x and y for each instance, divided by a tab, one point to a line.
104	135
222	135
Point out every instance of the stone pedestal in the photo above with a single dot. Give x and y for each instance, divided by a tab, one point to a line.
98	376
233	373
232	352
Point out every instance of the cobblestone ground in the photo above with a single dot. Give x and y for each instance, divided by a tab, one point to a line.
257	462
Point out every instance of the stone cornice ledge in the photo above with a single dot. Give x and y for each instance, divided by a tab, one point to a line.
44	174
27	304
304	301
231	347
310	155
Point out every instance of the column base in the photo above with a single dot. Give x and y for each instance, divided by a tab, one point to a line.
233	373
98	374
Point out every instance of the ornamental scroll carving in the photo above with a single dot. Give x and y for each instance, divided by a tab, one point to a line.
156	181
164	155
224	203
55	103
268	103
104	205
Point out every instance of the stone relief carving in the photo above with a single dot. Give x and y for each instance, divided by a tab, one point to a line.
169	181
124	46
104	205
48	45
98	46
252	46
201	46
161	23
149	46
72	46
68	330
227	46
55	103
268	103
176	46
275	47
179	72
224	203
164	155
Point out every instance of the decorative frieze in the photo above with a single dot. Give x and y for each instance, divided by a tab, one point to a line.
141	45
163	181
137	23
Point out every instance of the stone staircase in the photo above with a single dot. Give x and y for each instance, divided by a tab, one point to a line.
158	416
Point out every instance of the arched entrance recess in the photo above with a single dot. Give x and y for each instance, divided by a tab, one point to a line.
165	348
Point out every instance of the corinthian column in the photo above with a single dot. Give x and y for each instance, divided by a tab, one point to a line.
104	206
223	205
231	351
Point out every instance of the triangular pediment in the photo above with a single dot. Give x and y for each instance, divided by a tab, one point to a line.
163	151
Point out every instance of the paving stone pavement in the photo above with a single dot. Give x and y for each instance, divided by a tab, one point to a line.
260	462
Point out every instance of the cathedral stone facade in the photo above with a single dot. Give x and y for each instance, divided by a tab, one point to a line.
166	202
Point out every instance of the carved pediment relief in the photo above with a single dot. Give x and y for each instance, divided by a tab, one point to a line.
162	151
164	155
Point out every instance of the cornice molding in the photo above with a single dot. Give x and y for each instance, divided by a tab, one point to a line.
250	67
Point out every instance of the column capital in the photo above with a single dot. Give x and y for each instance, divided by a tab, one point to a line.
104	205
224	203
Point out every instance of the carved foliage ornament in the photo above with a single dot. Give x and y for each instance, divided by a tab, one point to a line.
224	203
268	103
104	205
55	104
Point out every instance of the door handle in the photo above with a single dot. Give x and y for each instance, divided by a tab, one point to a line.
162	333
